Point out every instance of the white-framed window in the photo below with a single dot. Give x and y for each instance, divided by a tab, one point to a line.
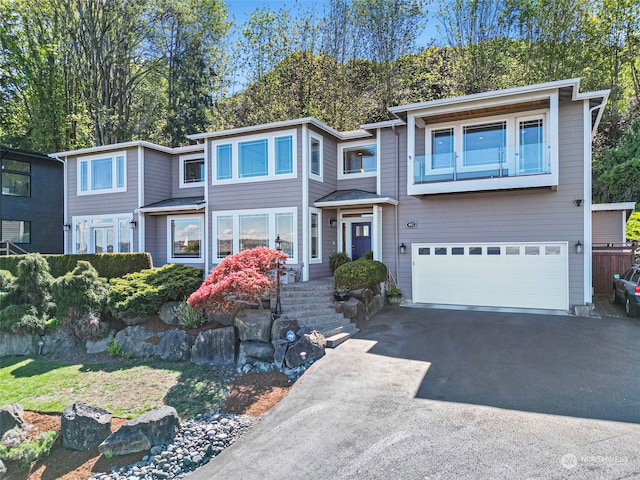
185	238
237	230
315	157
192	170
501	146
315	235
358	159
254	158
104	173
102	233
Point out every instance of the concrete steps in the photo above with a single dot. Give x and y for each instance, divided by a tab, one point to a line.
312	305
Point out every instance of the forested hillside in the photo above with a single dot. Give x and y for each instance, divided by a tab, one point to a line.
77	73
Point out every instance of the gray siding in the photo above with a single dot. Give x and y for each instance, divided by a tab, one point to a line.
318	190
157	176
103	203
498	216
607	227
367	184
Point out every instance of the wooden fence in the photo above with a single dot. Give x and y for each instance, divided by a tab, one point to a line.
607	260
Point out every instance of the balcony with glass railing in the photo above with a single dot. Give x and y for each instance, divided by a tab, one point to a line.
489	163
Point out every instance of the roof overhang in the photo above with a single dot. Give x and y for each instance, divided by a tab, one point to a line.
351	135
626	207
352	198
174	205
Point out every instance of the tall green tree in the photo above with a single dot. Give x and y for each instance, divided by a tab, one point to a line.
189	35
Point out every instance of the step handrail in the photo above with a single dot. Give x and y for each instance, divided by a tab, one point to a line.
7	247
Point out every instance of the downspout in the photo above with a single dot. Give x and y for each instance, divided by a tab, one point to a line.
395	207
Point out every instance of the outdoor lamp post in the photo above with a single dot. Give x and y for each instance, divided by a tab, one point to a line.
278	308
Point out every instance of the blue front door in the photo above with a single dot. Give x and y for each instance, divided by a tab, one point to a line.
360	239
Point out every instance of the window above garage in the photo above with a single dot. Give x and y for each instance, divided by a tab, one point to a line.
494	148
483	145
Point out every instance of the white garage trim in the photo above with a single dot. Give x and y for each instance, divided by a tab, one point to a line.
507	274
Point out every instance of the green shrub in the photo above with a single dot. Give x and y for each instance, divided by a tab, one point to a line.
141	294
80	290
360	274
29	450
6	280
27	305
337	260
189	317
22	318
108	265
367	256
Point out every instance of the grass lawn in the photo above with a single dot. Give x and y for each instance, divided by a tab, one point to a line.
126	389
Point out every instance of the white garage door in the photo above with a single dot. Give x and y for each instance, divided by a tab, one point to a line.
522	275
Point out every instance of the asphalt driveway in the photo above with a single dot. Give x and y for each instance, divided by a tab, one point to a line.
428	394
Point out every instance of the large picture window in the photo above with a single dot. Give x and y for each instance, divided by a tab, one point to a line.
255	158
185	238
16	178
16	231
239	230
102	174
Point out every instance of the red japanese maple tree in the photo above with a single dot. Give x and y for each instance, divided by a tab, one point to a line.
239	280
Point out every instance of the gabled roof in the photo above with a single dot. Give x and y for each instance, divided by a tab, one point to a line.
344	198
174	205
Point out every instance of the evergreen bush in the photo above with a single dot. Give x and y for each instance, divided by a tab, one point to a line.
142	293
337	260
360	274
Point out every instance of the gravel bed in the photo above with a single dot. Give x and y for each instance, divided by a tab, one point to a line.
197	442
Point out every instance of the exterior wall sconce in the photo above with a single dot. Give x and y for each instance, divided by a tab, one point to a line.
403	248
66	227
133	224
333	222
578	246
578	202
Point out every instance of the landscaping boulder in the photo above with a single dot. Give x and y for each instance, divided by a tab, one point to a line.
215	347
167	313
309	347
254	325
365	295
175	346
225	319
11	416
18	344
354	310
374	306
157	427
280	349
281	326
131	321
137	341
58	340
83	426
252	352
3	470
99	346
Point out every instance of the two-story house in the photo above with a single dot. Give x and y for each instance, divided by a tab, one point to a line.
475	200
31	201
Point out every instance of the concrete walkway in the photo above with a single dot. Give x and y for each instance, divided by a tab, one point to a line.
424	393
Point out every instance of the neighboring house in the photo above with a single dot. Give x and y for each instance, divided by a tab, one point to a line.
476	200
31	201
610	223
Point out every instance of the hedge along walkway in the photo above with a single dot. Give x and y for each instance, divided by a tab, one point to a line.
124	388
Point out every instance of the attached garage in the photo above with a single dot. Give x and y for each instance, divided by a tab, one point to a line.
520	275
